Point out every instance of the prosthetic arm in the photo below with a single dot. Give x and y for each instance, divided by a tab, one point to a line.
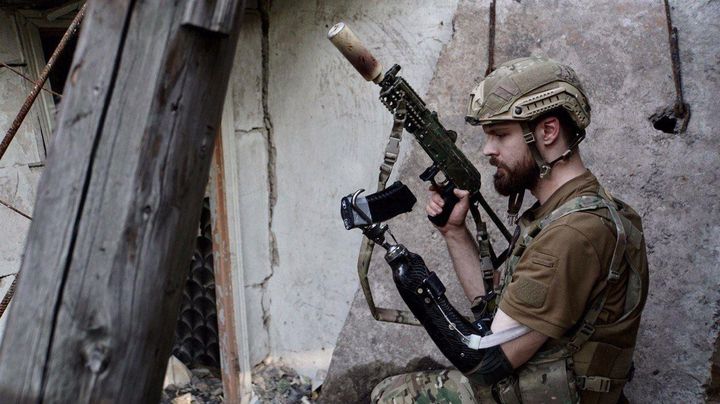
470	347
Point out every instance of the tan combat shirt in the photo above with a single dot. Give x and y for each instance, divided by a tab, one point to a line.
566	266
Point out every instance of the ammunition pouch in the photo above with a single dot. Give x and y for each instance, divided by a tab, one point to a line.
547	377
557	375
613	363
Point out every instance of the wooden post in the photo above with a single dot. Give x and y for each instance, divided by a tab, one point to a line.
118	203
229	271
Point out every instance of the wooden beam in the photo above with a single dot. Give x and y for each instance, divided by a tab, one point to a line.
212	15
117	207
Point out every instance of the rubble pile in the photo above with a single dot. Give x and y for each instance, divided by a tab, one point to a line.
277	384
204	388
271	384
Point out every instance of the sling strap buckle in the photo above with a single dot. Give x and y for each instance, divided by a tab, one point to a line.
580	337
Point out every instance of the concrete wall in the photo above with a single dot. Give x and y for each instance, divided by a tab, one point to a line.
17	179
251	143
329	131
310	130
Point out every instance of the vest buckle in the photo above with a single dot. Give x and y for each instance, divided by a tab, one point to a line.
594	383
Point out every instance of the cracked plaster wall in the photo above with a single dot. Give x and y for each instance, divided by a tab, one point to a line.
301	148
252	147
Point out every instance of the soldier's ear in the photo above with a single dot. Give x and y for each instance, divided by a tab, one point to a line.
549	130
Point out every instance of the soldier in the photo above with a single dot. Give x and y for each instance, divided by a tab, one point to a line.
577	273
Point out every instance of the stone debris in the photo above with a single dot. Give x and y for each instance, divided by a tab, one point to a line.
205	387
186	398
277	384
272	384
177	374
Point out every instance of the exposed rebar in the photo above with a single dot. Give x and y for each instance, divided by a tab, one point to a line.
681	110
40	82
16	210
8	296
21	117
491	40
23	75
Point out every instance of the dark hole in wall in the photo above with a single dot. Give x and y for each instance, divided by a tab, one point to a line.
672	119
665	123
50	38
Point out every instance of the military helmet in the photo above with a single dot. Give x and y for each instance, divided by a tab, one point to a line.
523	89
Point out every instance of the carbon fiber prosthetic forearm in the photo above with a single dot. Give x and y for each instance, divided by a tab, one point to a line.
424	294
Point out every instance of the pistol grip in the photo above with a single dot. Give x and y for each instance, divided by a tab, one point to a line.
451	200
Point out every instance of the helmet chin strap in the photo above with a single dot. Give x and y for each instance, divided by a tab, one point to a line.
515	200
545	167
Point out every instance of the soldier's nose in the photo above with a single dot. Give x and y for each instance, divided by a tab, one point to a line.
489	149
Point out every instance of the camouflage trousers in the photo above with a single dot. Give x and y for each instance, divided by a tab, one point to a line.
447	386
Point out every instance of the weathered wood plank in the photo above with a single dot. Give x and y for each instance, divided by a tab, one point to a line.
229	269
229	355
212	15
117	208
58	201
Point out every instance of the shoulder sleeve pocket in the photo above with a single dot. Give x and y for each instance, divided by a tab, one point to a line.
542	259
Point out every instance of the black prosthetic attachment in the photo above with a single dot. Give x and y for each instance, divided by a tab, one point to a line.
493	367
362	211
424	294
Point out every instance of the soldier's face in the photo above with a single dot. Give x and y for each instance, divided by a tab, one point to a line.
516	169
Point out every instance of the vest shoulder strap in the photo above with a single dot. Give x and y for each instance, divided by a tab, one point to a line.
586	326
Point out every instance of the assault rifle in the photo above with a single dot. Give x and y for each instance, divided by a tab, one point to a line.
439	143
